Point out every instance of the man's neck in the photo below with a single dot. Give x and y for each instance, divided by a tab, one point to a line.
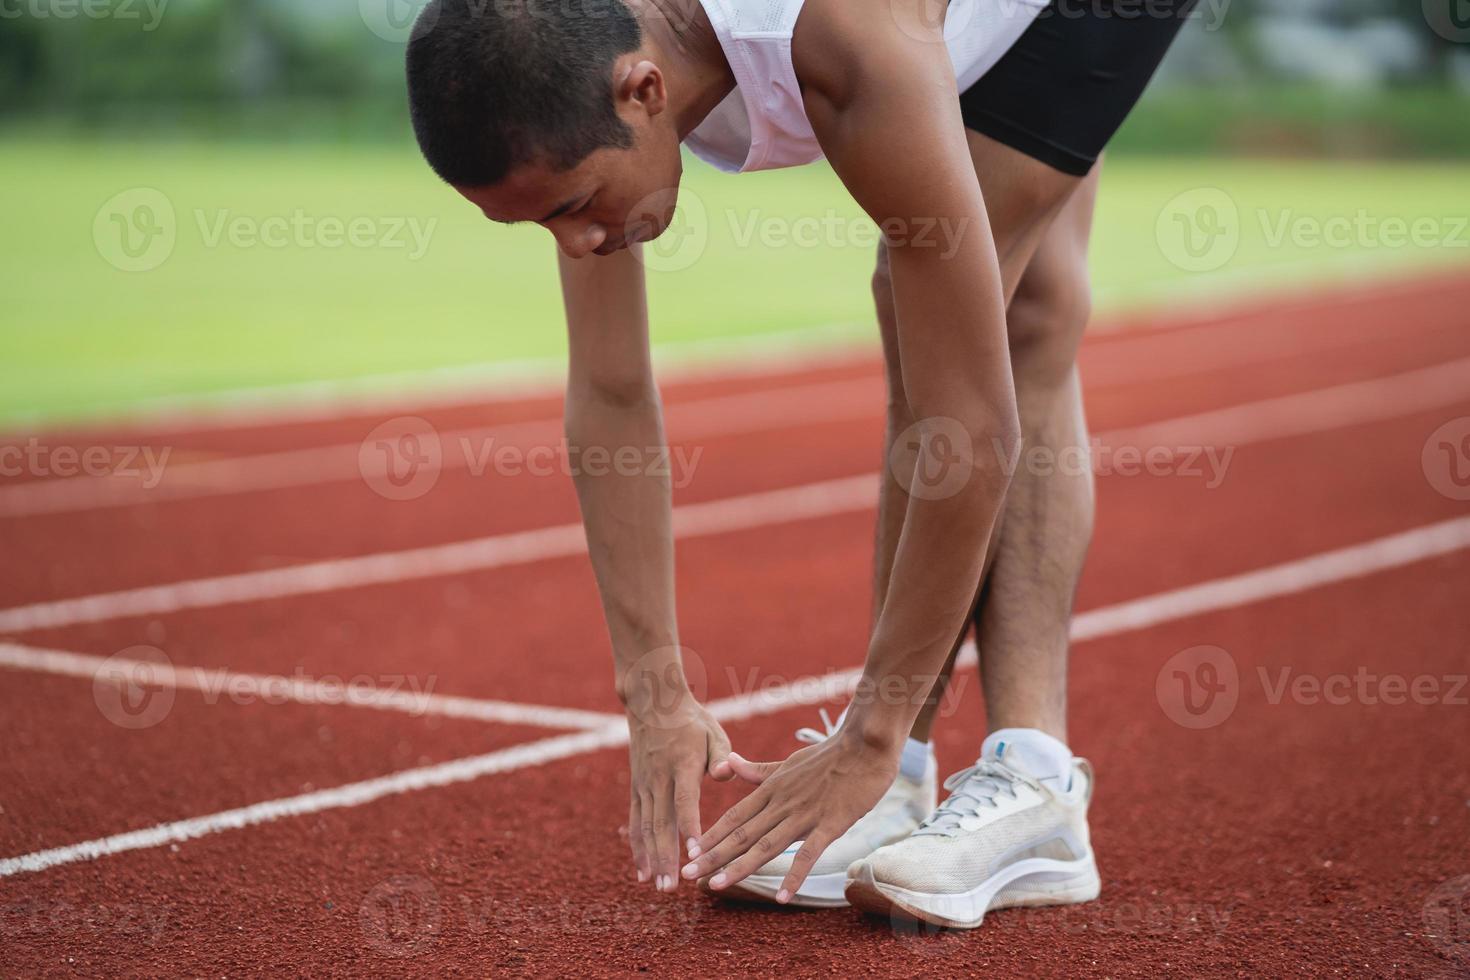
695	69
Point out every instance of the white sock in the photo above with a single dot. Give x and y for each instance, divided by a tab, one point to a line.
1032	750
916	759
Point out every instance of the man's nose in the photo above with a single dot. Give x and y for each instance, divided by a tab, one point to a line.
578	240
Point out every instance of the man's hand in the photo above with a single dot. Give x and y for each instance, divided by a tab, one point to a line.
815	796
673	742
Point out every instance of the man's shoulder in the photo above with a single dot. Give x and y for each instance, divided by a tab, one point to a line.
840	44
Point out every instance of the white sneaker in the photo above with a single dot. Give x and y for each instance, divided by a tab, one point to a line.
1002	839
895	816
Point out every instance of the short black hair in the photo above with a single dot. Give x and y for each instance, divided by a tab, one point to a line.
493	84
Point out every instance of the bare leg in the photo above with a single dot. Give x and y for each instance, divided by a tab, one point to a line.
1023	620
1027	197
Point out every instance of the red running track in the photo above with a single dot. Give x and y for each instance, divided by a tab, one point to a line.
1307	829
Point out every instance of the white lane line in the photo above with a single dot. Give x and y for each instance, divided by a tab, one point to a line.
219	683
1288	578
350	795
849	494
1292	415
793	351
1117	361
752	412
1307	413
1261	331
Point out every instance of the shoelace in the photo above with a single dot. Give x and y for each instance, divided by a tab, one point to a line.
971	789
813	737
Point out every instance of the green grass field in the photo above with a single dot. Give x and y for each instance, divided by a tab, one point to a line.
263	288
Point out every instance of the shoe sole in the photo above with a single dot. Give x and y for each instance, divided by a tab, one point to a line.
1032	882
817	892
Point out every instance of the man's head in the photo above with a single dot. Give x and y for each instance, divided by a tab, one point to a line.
547	111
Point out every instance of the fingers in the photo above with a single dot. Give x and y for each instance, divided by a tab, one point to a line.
719	752
635	839
665	840
732	818
766	846
751	772
646	831
801	865
686	809
743	836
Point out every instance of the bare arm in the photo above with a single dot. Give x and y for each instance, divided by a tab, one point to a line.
612	402
883	103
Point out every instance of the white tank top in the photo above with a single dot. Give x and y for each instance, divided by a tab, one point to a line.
762	124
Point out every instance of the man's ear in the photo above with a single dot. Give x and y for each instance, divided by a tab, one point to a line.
643	82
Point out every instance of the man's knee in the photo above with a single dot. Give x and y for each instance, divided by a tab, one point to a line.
882	277
1045	324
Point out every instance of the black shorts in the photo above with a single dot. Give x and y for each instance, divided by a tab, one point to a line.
1067	85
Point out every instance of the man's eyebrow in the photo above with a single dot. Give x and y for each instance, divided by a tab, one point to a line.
560	209
556	212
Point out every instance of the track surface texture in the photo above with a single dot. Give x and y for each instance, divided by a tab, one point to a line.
1269	674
